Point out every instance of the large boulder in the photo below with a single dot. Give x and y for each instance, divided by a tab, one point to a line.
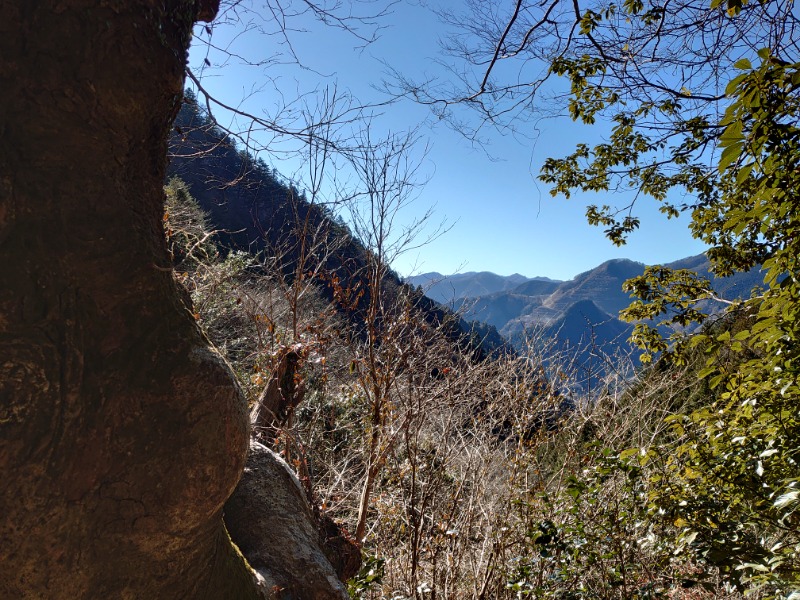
271	520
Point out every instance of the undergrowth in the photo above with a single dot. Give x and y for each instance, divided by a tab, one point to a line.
484	479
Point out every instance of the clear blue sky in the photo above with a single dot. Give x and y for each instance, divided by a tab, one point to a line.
502	219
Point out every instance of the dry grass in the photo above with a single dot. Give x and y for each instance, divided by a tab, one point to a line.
490	480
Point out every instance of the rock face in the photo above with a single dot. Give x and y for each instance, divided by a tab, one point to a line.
271	521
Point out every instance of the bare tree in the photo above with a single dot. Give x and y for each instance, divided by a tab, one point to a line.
281	124
385	180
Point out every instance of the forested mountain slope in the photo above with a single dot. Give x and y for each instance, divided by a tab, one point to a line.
580	312
253	209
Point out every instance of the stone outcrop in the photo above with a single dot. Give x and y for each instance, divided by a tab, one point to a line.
271	521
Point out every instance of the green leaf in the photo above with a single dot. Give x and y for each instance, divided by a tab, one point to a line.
730	89
706	372
630	452
733	133
743	173
729	155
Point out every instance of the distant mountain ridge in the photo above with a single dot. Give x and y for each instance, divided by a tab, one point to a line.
582	313
447	288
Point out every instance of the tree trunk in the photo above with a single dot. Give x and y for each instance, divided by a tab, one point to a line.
122	433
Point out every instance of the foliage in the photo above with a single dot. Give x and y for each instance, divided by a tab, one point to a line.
699	101
595	546
370	575
732	484
591	527
189	240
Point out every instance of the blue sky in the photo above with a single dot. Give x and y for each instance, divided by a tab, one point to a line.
501	218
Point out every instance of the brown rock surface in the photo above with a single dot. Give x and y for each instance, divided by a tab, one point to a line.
271	521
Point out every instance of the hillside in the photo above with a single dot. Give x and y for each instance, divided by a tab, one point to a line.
452	433
254	210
